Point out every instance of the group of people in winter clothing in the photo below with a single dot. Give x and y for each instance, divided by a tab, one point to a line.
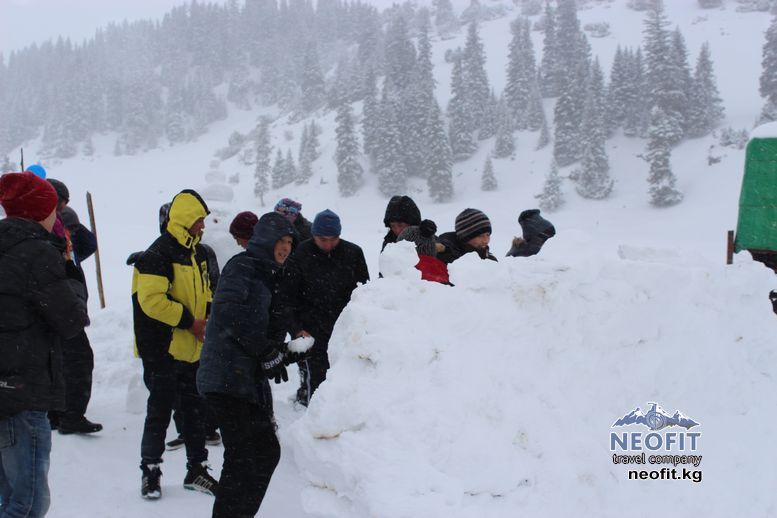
209	340
472	233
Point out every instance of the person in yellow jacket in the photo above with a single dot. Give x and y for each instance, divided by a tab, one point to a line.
171	296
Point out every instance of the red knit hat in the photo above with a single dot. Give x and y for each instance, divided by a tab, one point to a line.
242	227
26	195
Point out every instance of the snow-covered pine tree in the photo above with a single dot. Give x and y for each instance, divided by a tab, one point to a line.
88	148
488	180
683	71
349	170
552	198
370	115
504	145
445	19
637	115
616	106
438	161
263	152
399	54
661	178
474	79
568	117
768	79
390	163
313	142
593	178
289	168
568	39
305	159
705	105
312	83
664	80
278	171
490	118
550	72
544	138
535	114
460	126
521	71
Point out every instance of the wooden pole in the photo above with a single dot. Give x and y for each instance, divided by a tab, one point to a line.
96	251
730	247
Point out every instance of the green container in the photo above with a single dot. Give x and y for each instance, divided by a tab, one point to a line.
757	223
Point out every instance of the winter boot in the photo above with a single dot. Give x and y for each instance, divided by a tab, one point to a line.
213	438
198	478
69	425
175	444
150	487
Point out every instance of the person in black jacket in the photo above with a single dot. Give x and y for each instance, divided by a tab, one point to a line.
77	355
321	274
39	306
237	360
401	212
536	230
472	234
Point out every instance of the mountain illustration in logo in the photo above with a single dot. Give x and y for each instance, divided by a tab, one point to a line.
656	418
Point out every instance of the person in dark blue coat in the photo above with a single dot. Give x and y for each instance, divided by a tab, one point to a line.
237	360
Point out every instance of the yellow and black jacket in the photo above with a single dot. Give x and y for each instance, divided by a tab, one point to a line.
171	287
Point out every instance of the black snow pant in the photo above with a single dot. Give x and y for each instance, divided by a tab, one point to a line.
210	419
251	453
312	371
77	367
166	379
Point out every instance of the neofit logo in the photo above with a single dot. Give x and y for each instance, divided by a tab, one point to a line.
669	440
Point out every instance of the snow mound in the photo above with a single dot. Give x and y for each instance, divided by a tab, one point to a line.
496	397
217	192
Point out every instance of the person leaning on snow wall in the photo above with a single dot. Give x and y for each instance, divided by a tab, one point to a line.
472	234
536	230
171	297
238	358
39	307
427	247
76	242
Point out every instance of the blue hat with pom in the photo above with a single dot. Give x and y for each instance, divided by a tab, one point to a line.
37	170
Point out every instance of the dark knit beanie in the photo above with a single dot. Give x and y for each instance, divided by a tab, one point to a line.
26	195
242	227
402	209
62	193
326	223
471	223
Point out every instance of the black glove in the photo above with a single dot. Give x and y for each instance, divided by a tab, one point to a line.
773	298
273	367
428	228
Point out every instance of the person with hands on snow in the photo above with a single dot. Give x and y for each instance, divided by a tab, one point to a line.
536	230
238	358
426	245
472	234
401	212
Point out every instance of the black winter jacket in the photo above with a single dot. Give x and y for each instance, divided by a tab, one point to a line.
38	307
236	336
317	286
455	248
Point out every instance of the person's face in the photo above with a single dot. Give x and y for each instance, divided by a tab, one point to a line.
197	227
326	243
480	242
282	249
397	227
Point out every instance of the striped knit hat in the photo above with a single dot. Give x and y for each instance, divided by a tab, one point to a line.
471	223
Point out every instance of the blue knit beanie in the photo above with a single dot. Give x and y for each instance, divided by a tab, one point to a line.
327	223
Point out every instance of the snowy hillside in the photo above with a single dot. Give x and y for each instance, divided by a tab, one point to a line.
495	397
